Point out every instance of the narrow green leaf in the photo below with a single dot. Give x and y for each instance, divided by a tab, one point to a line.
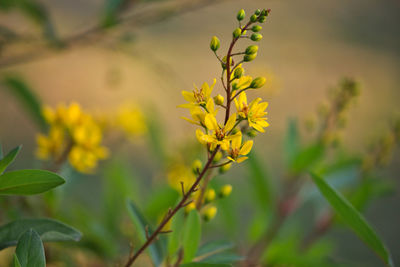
27	98
28	182
223	258
30	251
175	238
204	264
353	219
155	249
191	236
9	158
16	261
163	198
259	180
49	230
292	141
212	248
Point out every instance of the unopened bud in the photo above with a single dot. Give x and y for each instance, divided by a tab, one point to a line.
256	28
238	72
225	168
209	195
256	37
240	15
219	100
210	213
196	166
237	32
250	57
253	18
257	12
252	133
217	157
223	64
258	82
215	43
251	49
265	12
262	19
225	191
191	206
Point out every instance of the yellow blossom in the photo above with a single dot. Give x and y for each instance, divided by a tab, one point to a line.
254	113
199	114
238	149
131	120
198	97
241	83
220	135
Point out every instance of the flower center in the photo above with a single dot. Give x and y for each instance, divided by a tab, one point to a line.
220	134
199	95
234	153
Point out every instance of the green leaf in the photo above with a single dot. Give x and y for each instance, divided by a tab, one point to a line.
162	198
259	180
306	158
155	249
213	247
353	219
111	10
175	238
28	182
49	230
204	264
27	98
30	251
191	235
223	258
16	261
292	141
9	158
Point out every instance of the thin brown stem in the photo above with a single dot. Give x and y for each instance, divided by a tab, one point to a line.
207	179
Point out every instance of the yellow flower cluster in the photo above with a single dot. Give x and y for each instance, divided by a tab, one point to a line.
73	135
131	120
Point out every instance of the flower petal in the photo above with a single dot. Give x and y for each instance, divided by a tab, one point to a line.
246	148
230	123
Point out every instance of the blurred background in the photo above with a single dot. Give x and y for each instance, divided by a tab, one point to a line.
161	47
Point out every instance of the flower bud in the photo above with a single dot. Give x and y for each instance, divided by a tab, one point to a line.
215	43
253	18
196	166
262	19
265	12
256	28
248	58
225	168
219	100
257	82
237	32
191	206
225	191
238	72
210	213
240	15
257	12
256	37
209	195
251	49
252	133
223	64
217	157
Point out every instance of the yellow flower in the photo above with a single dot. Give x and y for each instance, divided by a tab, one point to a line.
238	149
254	113
199	114
51	146
198	97
220	135
131	120
178	173
241	83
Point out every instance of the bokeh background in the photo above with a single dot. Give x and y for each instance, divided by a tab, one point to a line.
307	47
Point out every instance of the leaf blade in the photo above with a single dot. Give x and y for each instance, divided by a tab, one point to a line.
9	158
353	219
191	236
30	250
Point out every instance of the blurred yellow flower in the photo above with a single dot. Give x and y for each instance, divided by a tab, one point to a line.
72	134
131	120
254	113
178	173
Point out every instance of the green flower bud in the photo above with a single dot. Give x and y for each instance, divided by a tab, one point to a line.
210	213
225	191
256	37
219	100
209	195
238	72
252	133
225	168
217	157
196	166
251	49
234	131
215	43
223	64
253	18
237	32
257	12
262	19
256	28
258	82
248	58
240	15
265	12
